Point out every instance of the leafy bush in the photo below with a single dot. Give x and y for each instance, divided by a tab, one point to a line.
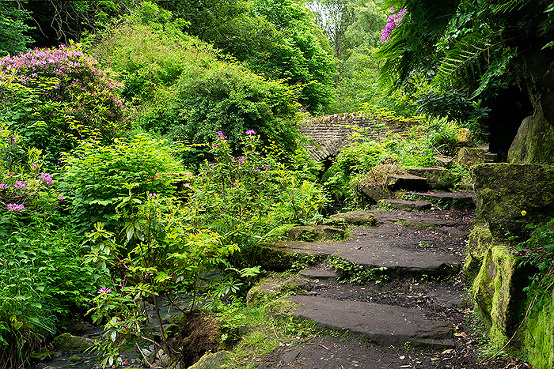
97	177
228	97
54	98
245	197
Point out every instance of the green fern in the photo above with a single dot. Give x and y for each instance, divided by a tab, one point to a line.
463	60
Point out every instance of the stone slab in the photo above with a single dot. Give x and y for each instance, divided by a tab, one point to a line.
406	182
406	204
382	324
448	200
313	273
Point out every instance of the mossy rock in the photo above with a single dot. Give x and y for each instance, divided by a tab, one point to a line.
274	256
437	178
210	360
469	156
480	240
271	289
498	296
510	196
534	142
372	193
315	233
539	336
69	343
362	218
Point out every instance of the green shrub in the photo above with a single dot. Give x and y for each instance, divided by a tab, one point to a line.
97	177
54	98
227	97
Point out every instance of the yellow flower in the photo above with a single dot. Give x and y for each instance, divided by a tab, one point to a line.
523	213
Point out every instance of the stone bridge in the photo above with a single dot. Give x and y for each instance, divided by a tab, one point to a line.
330	133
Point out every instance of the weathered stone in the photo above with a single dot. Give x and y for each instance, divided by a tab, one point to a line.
464	138
374	192
315	233
318	273
408	182
210	361
447	200
469	156
497	293
405	204
437	178
381	324
480	240
445	161
365	218
510	196
69	343
539	336
534	142
274	256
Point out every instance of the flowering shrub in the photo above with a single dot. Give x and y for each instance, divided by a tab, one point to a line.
394	20
23	183
56	97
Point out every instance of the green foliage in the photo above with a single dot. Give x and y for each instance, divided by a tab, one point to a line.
97	178
354	273
538	252
54	98
43	282
13	28
245	197
369	161
227	97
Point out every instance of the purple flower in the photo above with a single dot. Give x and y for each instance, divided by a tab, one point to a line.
46	178
150	316
3	186
220	134
104	290
153	194
20	184
16	207
61	197
394	21
257	170
266	168
240	161
211	164
250	132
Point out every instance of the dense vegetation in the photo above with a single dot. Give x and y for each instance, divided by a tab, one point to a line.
150	148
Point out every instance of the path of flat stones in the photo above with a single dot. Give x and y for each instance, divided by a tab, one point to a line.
412	243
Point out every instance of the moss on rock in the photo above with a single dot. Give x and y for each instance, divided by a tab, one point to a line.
69	343
539	336
510	196
365	218
497	292
480	240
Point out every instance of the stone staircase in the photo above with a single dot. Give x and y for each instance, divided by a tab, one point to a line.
416	248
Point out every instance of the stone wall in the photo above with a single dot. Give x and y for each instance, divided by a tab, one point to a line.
332	132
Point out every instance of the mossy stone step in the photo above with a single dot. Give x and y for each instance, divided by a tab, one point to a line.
437	178
447	200
408	182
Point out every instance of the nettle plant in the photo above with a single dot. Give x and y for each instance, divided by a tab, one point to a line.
55	98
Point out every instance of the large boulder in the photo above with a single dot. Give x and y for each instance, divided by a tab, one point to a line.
437	178
510	196
534	142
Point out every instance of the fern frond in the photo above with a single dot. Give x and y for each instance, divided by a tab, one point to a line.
463	60
510	6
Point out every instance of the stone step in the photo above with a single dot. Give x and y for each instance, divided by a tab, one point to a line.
408	182
405	204
382	324
447	200
437	178
320	274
